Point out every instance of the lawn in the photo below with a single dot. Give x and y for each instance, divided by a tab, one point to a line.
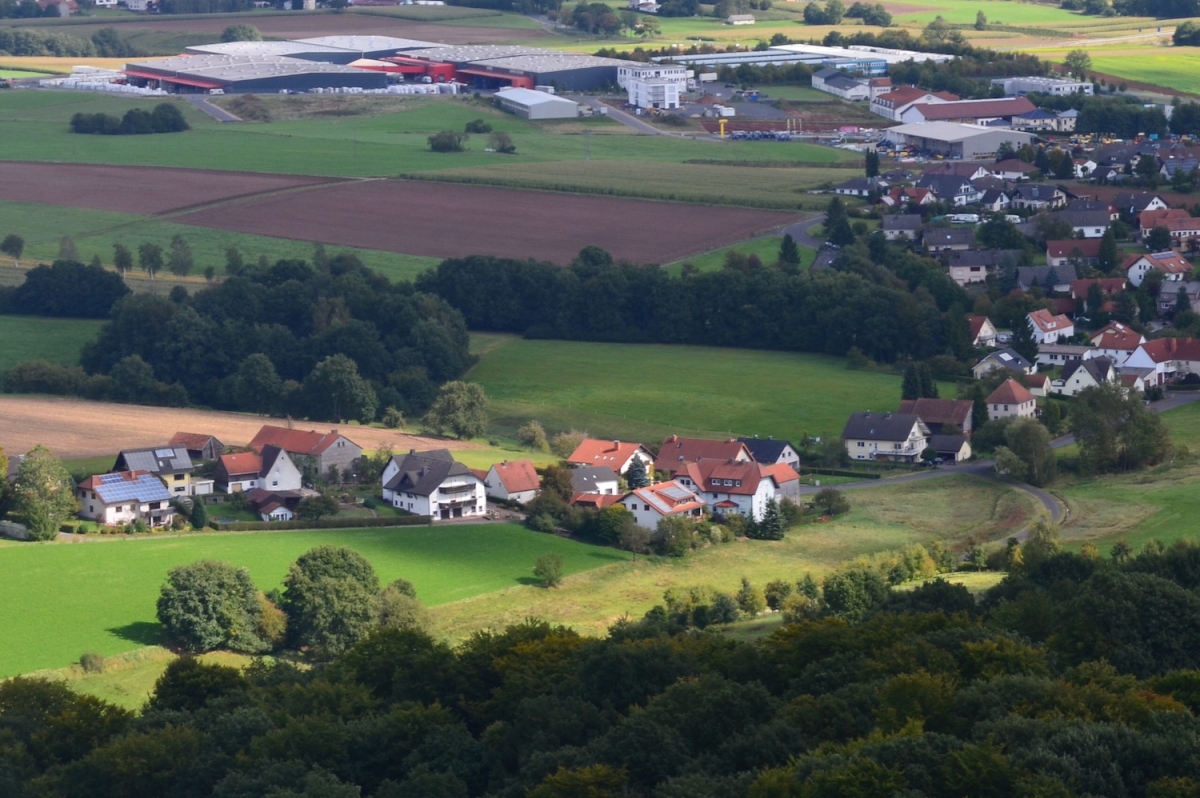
766	248
40	338
20	73
881	519
95	232
62	600
647	392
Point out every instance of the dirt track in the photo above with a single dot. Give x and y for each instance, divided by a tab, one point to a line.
134	189
445	220
73	428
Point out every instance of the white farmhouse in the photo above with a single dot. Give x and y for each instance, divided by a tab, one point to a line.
273	470
125	497
1011	400
1049	328
512	481
740	487
886	436
664	500
433	484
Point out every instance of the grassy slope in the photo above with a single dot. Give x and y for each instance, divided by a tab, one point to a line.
35	338
95	232
65	599
651	391
766	248
882	519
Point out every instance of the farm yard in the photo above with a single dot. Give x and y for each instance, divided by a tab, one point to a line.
104	590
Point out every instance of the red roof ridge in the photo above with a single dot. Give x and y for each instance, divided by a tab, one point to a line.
1010	392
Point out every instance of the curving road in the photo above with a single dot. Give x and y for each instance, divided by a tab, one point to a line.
216	112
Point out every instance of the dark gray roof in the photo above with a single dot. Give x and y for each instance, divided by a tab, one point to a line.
946	236
1079	218
945	186
863	184
984	257
422	472
1009	359
1098	367
162	460
992	196
870	426
1027	274
584	479
1133	201
1040	193
270	455
841	81
947	443
765	450
899	176
1088	205
903	221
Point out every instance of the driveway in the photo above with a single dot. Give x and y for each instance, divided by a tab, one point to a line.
627	119
216	112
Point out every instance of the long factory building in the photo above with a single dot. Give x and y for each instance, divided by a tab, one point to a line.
368	62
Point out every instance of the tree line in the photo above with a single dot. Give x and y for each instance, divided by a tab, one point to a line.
1079	674
881	299
165	118
330	340
106	42
1162	9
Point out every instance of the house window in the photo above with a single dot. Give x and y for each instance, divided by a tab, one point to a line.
178	477
275	484
895	446
861	444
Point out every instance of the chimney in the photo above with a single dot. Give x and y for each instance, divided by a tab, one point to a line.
616	444
412	451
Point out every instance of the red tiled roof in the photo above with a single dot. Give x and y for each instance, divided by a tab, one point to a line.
597	500
1151	219
1166	262
1088	248
92	482
1063	305
614	454
1116	335
517	476
1164	349
938	411
1108	285
1010	392
780	472
677	451
480	473
190	440
240	464
912	194
1045	321
906	94
704	472
294	441
976	323
1009	106
1038	380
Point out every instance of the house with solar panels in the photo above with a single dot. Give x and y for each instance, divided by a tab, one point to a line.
125	497
171	464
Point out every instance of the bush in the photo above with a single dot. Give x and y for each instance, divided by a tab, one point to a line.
478	126
447	141
165	118
776	593
549	569
92	662
831	502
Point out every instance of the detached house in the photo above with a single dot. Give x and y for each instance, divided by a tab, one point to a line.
941	416
1011	400
272	471
983	332
954	189
900	197
125	497
594	486
664	500
313	452
1173	266
1038	197
1117	341
902	227
1014	169
171	464
1167	358
1082	374
1063	276
1048	328
885	436
512	481
433	484
677	452
1073	250
740	487
769	451
617	455
949	239
199	446
1008	359
1087	224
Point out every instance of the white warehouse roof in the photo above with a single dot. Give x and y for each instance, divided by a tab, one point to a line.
531	97
948	131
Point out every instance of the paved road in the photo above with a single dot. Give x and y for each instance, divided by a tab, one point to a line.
799	231
216	112
629	120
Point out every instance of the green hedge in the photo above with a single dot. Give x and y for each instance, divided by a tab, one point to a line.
841	472
324	523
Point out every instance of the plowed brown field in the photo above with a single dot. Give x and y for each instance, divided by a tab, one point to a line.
134	189
73	428
446	220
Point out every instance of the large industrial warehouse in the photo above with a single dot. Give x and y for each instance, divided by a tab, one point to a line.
365	62
968	142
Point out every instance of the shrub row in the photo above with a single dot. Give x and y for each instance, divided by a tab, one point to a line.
324	523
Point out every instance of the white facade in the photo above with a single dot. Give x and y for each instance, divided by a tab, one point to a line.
751	505
1019	87
1079	380
278	513
458	496
495	488
653	93
126	512
668	72
667	499
909	448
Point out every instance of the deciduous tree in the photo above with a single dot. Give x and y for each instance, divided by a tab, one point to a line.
549	569
210	604
462	408
150	258
329	596
43	494
179	257
335	390
533	435
13	245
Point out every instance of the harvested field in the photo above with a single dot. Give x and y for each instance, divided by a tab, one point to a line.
72	428
441	220
304	26
134	189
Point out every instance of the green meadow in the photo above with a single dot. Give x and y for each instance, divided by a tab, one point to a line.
65	599
647	392
38	338
94	233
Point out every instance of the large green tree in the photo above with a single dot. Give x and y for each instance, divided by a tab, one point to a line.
211	604
335	390
1029	443
257	385
462	408
13	245
179	257
43	494
1115	430
330	596
1023	341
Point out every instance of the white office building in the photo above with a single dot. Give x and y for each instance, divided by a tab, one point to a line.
653	93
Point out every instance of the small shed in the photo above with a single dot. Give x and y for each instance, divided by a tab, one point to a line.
533	104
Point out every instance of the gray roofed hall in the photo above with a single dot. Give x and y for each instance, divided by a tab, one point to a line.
422	473
584	478
162	460
869	426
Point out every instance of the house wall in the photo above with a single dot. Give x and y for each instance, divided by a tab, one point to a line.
1025	410
908	449
494	489
342	454
284	475
241	485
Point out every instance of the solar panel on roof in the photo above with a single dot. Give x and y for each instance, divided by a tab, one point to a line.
110	478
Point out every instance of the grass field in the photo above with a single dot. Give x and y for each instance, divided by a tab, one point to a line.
882	519
648	392
20	73
95	232
65	599
766	248
37	338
